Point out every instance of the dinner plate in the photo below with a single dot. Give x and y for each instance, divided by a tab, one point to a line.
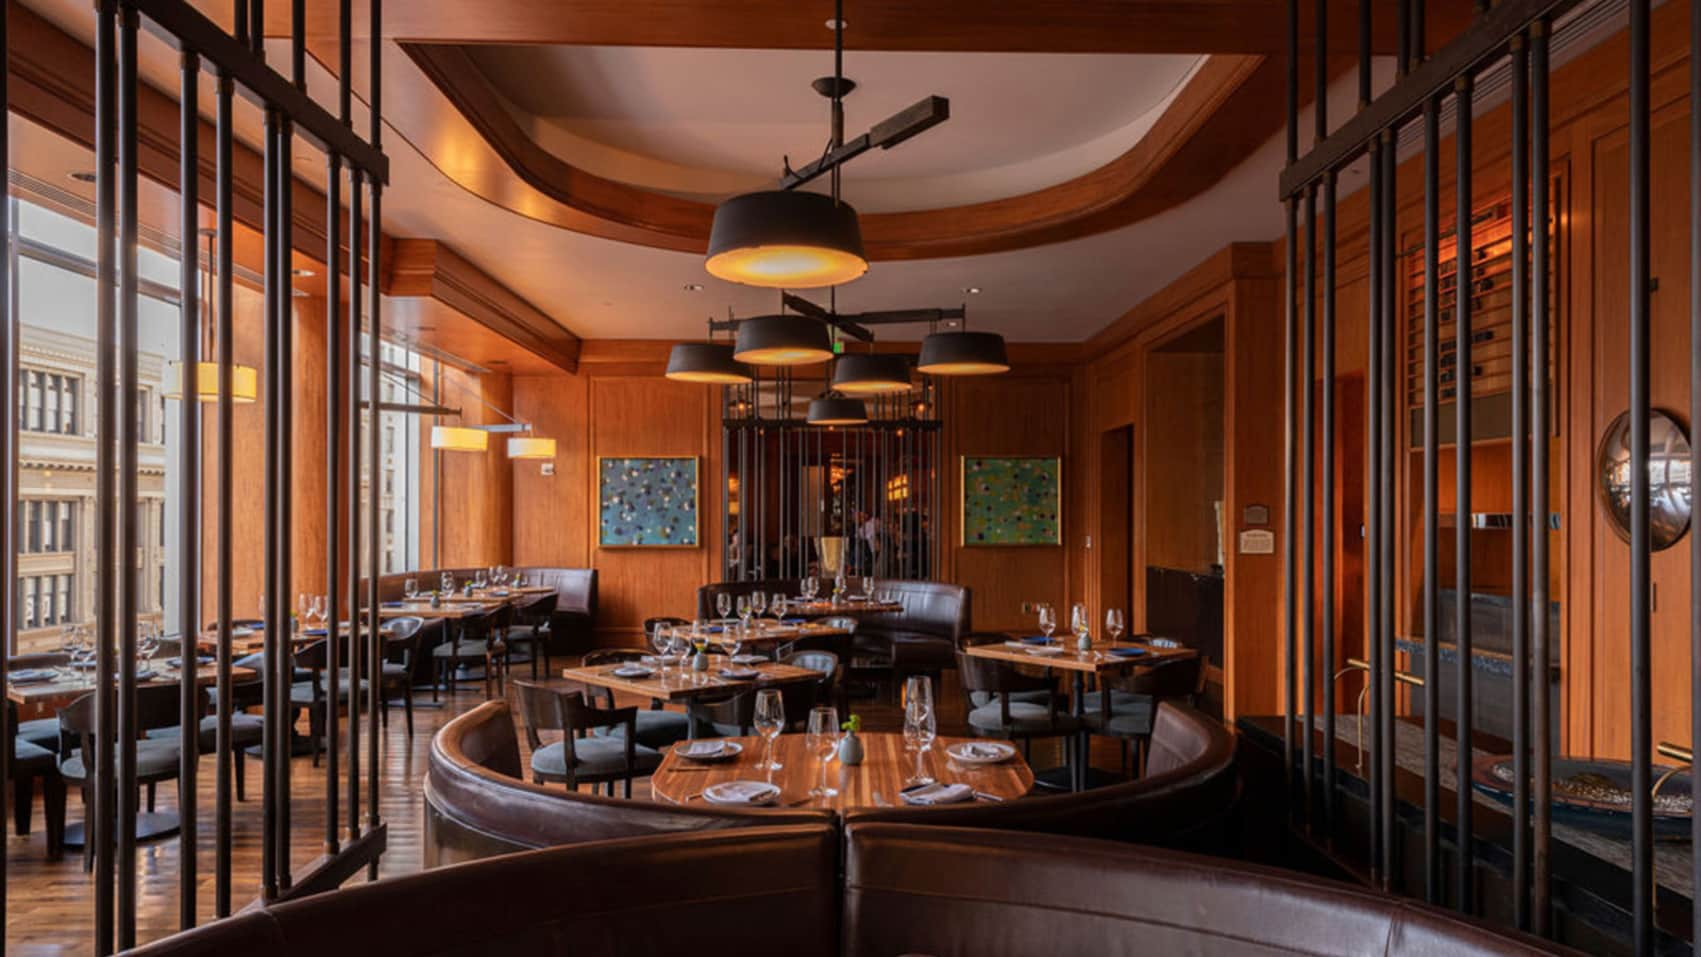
26	676
981	752
748	659
726	752
740	674
632	671
742	793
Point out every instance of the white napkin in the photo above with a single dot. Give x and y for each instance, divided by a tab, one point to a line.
937	793
741	792
701	749
631	671
987	752
748	659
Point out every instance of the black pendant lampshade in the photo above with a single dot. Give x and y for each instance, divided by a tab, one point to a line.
834	409
863	374
782	341
963	353
786	239
709	362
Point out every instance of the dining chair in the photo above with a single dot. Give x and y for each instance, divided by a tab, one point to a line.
1017	706
313	695
533	617
395	672
801	697
156	759
657	726
41	732
246	731
1124	707
580	757
478	641
26	762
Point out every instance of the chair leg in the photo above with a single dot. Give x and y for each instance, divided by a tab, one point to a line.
23	798
407	708
236	755
628	790
150	797
53	808
88	832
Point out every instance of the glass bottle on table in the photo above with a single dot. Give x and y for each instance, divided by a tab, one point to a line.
823	740
770	721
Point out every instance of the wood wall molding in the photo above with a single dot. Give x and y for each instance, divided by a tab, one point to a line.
1229	107
430	268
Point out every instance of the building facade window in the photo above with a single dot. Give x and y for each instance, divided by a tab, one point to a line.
49	526
48	401
45	601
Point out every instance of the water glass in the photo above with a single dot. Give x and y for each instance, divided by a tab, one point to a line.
410	588
743	608
1079	621
661	639
447	583
780	604
758	603
1113	623
1047	619
770	720
920	724
321	604
823	740
807	587
867	587
723	603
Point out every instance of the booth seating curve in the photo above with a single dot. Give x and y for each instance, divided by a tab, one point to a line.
1183	801
478	805
572	621
906	889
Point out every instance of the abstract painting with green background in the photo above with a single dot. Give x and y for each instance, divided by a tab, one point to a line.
647	502
1012	501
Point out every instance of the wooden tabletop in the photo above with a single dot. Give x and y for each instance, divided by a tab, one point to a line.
766	631
456	608
850	608
1094	661
678	684
48	696
876	782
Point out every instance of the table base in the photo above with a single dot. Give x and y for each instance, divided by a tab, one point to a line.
150	826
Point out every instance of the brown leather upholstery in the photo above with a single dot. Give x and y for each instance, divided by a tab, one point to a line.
946	892
951	892
923	637
1181	802
477	805
755	892
769	586
570	625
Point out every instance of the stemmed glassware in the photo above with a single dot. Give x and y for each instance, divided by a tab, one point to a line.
321	609
920	725
662	640
808	587
723	603
447	581
410	588
1047	619
779	606
770	720
867	587
731	641
758	603
1113	623
743	608
1080	622
823	739
147	644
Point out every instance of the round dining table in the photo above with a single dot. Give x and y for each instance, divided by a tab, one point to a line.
880	780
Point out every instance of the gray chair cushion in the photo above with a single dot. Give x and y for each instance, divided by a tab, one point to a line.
42	732
153	757
33	759
980	698
604	755
1130	714
1025	718
461	649
245	729
656	729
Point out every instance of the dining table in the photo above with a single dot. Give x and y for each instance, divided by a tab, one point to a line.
679	682
886	773
1103	658
762	633
847	607
37	699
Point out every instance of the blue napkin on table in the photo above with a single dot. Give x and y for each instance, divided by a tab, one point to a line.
792	621
716	629
315	631
391	604
1036	640
1126	652
199	660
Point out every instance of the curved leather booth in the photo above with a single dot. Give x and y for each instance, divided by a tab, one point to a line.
947	892
478	805
1182	801
571	623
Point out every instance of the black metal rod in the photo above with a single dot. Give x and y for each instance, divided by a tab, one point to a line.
9	330
226	442
1308	506
374	634
1520	485
1431	451
129	437
357	621
1327	507
1320	70
1373	488
275	638
1641	688
1419	40
102	814
298	44
1694	417
1290	513
1403	33
1462	251
1364	24
1393	360
345	66
1541	744
189	483
334	419
285	412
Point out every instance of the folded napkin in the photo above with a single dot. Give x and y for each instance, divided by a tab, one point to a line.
199	660
792	621
317	632
1126	652
24	676
742	792
701	750
740	674
976	750
653	660
500	593
715	629
242	631
936	793
1036	640
144	674
392	604
632	671
748	659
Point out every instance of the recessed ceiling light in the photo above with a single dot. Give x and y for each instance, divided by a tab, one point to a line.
693	287
83	176
301	272
972	290
299	293
836	24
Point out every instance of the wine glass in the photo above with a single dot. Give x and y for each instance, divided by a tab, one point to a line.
410	588
919	723
807	587
770	720
447	582
743	609
758	603
1047	619
1079	621
303	609
320	610
1113	623
147	645
867	587
779	606
823	740
731	641
723	603
661	639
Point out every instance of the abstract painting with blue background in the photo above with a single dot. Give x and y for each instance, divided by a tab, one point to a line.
648	502
1011	501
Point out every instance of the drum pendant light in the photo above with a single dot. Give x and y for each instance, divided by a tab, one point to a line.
782	341
786	239
531	447
833	409
455	438
710	362
244	382
963	353
871	374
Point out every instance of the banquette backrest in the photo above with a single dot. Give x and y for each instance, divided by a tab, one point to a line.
768	586
477	804
571	623
1182	800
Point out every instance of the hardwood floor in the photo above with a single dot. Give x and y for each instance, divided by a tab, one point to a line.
49	903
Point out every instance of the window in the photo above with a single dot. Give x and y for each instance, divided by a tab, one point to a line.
45	600
50	526
48	401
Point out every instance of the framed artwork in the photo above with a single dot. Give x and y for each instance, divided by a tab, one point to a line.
647	502
1012	501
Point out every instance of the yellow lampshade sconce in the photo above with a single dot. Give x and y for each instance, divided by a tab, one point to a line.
529	447
244	383
459	438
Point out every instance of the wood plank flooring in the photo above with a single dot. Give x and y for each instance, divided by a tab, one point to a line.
50	903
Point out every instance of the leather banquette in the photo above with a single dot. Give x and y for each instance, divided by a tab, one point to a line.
1182	801
905	889
572	619
478	805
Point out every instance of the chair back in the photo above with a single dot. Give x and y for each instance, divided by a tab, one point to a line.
820	692
540	710
580	717
401	641
1181	680
990	676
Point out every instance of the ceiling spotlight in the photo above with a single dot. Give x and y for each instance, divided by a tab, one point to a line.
833	409
972	290
963	353
709	362
786	239
693	287
782	341
82	176
866	374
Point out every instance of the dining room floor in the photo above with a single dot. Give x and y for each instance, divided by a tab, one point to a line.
49	903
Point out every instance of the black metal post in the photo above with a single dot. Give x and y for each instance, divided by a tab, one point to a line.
357	620
1463	249
334	419
1327	506
129	437
1373	490
1393	360
1541	744
189	482
276	621
102	818
1641	687
1308	506
1431	452
226	441
1290	525
1520	484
